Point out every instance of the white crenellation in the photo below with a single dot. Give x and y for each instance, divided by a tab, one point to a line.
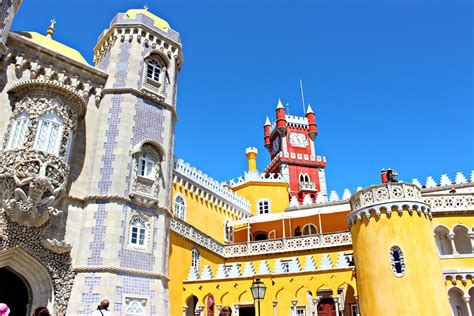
221	274
430	182
278	267
326	262
234	271
211	188
263	268
249	269
320	199
206	273
294	202
310	265
460	178
253	176
193	274
346	195
333	196
295	265
294	156
342	261
417	183
445	180
307	200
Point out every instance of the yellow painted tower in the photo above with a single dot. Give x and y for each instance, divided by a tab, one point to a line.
397	265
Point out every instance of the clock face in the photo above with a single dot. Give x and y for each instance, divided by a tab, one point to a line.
298	139
276	144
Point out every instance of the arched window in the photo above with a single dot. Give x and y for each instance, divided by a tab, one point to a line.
442	241
49	133
462	241
309	229
260	236
306	178
397	261
147	165
153	69
18	131
138	232
210	305
195	259
301	178
179	207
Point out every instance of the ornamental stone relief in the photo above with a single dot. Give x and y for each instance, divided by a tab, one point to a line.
55	257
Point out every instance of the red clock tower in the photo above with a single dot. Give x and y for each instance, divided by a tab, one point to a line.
290	141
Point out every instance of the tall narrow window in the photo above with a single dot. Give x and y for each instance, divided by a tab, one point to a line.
397	261
146	166
179	207
18	131
138	232
195	259
49	133
153	70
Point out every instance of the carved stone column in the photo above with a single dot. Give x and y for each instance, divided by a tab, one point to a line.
336	304
275	303
236	310
315	305
453	245
471	236
293	307
466	299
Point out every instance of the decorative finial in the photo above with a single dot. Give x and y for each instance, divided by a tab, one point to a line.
50	30
145	7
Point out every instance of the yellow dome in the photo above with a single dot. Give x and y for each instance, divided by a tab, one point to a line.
159	22
53	45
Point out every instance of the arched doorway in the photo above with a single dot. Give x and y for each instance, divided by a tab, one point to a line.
191	303
326	307
17	295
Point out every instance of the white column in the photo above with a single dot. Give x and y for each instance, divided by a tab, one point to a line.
451	238
336	304
467	298
311	145
275	303
471	236
315	305
293	307
235	312
199	310
219	307
185	309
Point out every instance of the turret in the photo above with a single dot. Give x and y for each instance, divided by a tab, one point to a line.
313	130
280	119
397	264
251	153
266	132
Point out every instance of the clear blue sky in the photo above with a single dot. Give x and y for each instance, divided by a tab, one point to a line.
390	81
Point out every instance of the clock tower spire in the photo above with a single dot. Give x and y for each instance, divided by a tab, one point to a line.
290	142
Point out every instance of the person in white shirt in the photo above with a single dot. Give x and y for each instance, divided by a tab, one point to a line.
103	309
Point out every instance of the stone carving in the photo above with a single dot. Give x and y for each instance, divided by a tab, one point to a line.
31	182
56	246
58	265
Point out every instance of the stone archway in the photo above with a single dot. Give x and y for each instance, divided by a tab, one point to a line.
17	295
34	275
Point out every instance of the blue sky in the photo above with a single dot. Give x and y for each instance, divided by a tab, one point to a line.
390	81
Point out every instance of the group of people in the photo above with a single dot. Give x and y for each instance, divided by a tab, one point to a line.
102	310
39	311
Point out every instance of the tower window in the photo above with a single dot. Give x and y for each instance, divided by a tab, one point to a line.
138	231
153	69
49	134
309	229
300	311
179	207
146	166
18	131
397	261
263	206
195	259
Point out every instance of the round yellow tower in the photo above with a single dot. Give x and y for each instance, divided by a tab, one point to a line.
397	265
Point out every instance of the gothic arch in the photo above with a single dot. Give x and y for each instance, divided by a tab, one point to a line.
160	54
18	261
159	148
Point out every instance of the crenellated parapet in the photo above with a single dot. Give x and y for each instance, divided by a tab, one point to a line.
386	198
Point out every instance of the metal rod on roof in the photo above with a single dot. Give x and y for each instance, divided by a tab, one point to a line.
302	96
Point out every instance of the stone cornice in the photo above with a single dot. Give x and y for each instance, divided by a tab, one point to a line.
113	269
143	94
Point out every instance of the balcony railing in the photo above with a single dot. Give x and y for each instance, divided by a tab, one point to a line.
450	203
254	248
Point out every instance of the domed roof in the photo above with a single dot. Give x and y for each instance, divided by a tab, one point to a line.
53	45
159	22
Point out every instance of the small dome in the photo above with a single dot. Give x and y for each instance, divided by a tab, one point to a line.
53	45
159	22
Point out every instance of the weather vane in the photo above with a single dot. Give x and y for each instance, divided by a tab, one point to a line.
146	6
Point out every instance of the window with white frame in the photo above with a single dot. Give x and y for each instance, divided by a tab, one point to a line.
138	232
309	229
153	69
146	166
300	311
264	206
49	133
195	259
18	131
179	207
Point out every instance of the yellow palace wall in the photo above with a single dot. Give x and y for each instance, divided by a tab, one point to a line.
277	192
